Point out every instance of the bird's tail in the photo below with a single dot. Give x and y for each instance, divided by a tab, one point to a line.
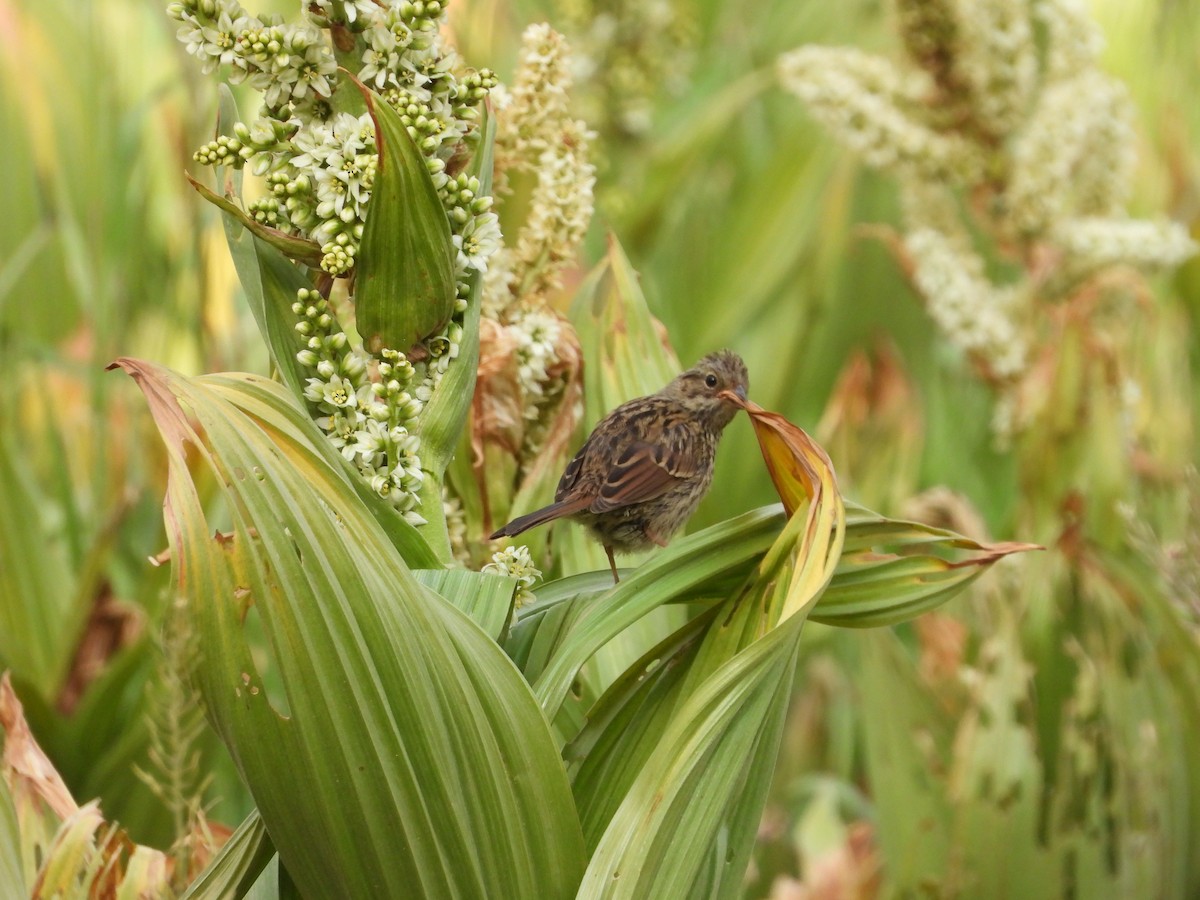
541	516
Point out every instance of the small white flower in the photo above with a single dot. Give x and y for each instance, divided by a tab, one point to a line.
371	439
515	562
480	238
340	426
335	392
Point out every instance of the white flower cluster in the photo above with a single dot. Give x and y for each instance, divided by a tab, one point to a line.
289	64
1097	242
319	161
537	134
967	307
537	334
1059	136
996	58
559	215
870	106
537	104
1002	126
1073	40
370	420
515	562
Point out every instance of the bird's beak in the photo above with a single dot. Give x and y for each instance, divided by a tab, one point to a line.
737	396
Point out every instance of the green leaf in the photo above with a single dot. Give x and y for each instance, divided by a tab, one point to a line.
284	420
686	825
444	417
487	599
11	873
237	865
544	623
404	277
300	249
688	564
39	624
626	724
889	572
401	752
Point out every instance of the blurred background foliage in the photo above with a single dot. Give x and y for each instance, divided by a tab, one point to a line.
1033	739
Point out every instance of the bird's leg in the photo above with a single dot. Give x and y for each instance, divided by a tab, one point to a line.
612	563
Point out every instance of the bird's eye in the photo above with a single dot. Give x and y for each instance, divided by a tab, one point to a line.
710	379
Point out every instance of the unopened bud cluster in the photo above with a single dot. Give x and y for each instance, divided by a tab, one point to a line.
367	407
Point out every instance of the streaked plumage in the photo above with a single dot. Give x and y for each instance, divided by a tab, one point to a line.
646	466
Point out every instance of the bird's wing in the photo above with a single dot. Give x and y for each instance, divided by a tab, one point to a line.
645	470
570	474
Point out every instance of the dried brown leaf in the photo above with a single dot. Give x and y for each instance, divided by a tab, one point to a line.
32	778
111	626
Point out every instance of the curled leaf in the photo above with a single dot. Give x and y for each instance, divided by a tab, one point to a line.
300	249
31	776
797	464
891	570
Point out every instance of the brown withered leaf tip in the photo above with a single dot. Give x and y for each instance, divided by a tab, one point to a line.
643	470
792	457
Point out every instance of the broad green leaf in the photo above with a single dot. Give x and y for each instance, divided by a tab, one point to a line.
541	625
889	572
487	599
283	419
686	825
37	630
267	886
626	724
238	864
403	753
404	275
689	563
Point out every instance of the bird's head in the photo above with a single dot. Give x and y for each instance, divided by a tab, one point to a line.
701	387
